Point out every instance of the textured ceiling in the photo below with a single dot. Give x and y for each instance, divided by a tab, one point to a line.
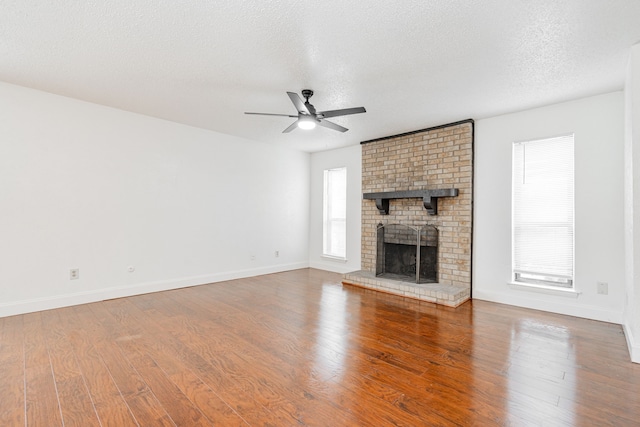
412	63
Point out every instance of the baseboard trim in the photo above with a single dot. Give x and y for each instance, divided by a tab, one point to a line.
632	344
66	300
561	307
337	267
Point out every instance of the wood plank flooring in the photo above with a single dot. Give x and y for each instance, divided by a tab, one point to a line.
299	349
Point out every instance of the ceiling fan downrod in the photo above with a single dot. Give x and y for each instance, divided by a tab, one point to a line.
307	93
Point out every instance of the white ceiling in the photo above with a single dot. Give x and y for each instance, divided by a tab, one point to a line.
413	64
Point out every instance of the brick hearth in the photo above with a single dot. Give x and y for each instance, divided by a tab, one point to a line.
449	295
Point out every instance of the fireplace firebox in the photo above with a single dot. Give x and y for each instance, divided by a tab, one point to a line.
407	253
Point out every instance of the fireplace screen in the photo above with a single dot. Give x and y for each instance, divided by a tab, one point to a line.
407	253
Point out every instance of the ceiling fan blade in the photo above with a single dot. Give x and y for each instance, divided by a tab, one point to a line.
331	125
343	112
271	114
292	127
297	101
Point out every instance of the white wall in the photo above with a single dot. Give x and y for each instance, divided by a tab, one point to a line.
632	204
99	189
598	124
351	157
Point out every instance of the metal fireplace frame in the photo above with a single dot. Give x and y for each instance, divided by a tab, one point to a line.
418	230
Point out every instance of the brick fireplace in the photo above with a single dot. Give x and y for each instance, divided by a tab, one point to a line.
419	180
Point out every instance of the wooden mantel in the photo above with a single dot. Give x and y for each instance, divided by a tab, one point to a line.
429	198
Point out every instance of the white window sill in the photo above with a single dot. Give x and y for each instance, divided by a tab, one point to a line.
333	258
569	293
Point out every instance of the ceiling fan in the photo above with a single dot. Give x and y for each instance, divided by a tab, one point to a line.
308	117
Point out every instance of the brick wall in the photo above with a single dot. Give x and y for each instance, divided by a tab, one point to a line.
438	158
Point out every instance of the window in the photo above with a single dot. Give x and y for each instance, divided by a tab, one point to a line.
335	213
542	212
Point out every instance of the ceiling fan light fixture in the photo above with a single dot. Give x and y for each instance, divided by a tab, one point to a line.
306	123
309	118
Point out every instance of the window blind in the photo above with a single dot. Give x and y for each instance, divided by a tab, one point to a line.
543	211
335	213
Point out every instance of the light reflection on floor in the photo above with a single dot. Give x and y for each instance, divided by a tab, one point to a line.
540	355
332	337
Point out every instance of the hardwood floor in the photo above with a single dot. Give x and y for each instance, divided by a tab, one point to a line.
298	349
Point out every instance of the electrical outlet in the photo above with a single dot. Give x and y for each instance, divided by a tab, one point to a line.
74	274
252	257
603	288
277	254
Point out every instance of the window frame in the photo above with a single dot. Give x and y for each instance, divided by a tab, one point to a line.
328	221
543	279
